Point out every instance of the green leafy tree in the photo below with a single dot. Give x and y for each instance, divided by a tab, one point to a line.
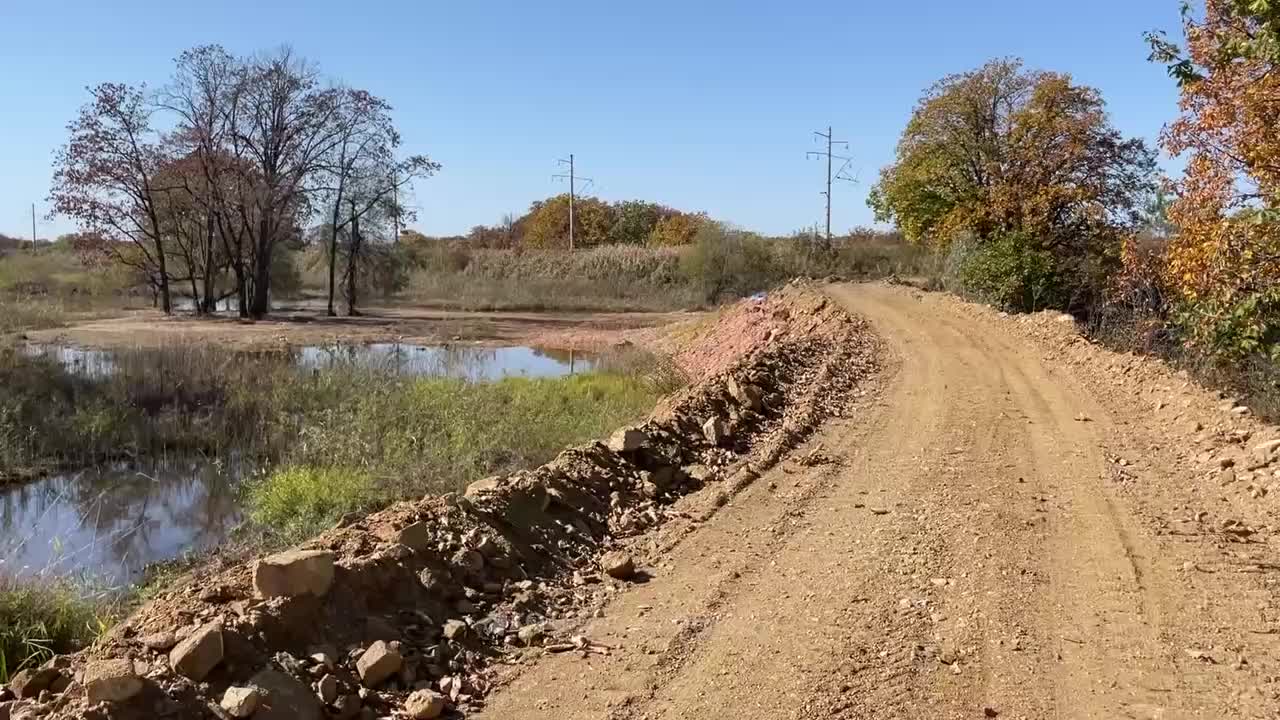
1004	153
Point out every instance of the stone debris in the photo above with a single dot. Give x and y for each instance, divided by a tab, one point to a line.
240	702
294	572
618	565
405	612
199	653
378	663
425	704
111	681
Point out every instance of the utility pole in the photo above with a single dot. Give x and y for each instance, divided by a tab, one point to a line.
571	177
829	136
33	227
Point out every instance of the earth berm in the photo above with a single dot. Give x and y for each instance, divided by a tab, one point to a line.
997	518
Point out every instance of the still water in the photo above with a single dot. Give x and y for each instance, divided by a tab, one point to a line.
108	523
477	363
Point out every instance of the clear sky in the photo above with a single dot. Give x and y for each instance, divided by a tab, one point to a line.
699	105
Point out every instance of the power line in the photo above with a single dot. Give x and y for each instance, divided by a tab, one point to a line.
572	178
838	174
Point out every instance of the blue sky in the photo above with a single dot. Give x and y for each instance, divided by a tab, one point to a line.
700	105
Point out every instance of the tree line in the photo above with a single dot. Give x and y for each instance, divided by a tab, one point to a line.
596	222
1020	177
203	183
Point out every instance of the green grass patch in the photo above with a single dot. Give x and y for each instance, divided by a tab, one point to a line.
391	438
39	619
295	501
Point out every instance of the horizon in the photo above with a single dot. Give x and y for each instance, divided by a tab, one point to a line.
689	114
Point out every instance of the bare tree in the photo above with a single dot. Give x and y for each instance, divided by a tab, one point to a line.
104	179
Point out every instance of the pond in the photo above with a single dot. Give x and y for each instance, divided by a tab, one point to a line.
108	523
469	362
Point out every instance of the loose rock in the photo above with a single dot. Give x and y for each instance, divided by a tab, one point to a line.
240	702
715	430
378	663
425	704
199	653
284	697
628	440
294	572
618	565
111	681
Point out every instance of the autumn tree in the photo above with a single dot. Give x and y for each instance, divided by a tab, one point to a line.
635	220
676	229
1223	264
548	222
105	176
1026	158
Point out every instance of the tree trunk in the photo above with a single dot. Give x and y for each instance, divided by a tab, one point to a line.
333	259
261	304
353	263
210	304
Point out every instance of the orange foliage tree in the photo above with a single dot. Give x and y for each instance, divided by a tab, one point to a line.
1223	264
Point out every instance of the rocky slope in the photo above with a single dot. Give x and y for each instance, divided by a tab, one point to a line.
418	610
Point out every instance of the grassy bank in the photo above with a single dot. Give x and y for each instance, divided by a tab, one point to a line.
39	619
410	437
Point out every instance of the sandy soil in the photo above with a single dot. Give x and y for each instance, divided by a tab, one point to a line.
307	325
1023	526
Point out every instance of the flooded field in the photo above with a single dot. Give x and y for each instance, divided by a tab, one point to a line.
381	412
107	523
464	361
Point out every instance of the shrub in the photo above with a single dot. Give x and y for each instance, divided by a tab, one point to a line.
1235	328
725	262
1011	272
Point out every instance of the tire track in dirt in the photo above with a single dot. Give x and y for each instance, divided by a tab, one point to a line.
967	557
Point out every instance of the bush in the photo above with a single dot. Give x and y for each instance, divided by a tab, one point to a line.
1011	272
725	263
1236	328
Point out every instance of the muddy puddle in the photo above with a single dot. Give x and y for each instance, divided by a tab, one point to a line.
107	523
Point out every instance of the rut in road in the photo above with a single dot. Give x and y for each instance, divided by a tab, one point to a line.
966	555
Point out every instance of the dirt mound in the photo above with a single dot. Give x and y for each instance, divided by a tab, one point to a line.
411	611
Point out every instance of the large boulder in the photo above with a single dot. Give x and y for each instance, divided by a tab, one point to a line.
29	683
425	705
111	681
199	653
628	440
240	702
379	662
284	697
293	573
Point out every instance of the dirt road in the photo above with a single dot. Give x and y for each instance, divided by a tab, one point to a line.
1001	535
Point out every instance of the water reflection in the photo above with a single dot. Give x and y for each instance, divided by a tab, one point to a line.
468	362
109	522
476	363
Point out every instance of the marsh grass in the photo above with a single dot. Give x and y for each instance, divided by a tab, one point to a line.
406	437
41	618
723	265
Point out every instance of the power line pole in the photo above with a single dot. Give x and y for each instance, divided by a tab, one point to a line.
572	178
33	227
829	136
